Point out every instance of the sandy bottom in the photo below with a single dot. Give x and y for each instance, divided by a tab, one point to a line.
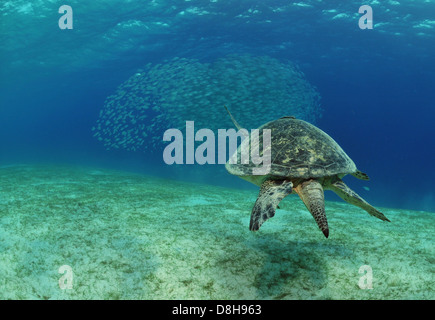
127	236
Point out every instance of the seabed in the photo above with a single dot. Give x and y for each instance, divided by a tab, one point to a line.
129	236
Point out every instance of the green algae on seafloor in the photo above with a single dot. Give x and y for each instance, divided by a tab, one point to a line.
129	236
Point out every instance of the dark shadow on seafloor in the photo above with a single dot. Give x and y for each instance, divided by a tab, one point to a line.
293	264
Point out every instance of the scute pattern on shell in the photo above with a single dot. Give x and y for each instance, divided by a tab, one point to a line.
299	150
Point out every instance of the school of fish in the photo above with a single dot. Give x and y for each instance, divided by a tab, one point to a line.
257	89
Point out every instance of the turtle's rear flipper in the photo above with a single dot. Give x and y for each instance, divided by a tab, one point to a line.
360	175
311	193
271	193
348	195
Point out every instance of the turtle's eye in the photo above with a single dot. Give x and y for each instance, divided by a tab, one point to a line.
290	117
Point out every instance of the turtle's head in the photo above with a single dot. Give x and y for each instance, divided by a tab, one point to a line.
288	117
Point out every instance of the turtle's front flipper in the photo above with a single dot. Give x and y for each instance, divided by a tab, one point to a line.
271	193
311	193
348	195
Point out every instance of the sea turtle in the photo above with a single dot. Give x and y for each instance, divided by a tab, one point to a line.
304	160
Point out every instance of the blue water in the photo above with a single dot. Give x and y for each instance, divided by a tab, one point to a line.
376	85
